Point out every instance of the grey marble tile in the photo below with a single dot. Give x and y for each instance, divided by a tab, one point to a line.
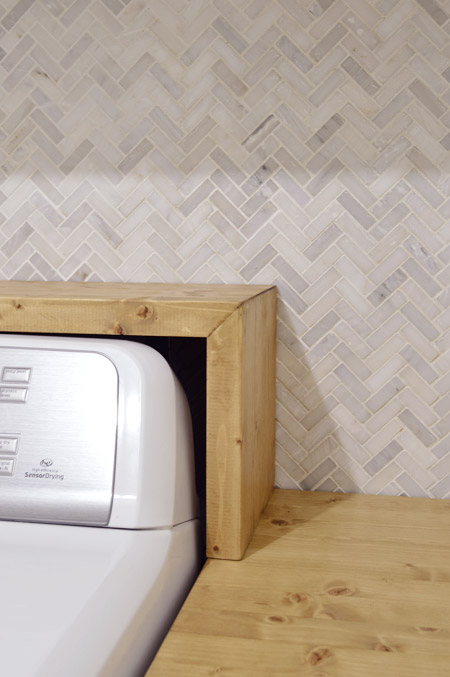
293	54
325	132
164	78
356	210
410	486
427	98
229	78
16	13
353	384
323	178
383	457
417	428
13	57
419	252
434	10
303	145
385	289
317	475
322	242
360	75
196	198
330	40
421	277
259	261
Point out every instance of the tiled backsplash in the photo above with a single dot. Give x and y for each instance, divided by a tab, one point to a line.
296	142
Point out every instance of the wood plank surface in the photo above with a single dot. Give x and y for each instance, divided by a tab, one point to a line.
119	308
332	585
224	440
258	408
233	294
240	424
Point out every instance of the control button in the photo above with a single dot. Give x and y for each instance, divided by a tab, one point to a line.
16	374
13	394
8	445
6	466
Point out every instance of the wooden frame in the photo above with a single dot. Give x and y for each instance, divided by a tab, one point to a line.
238	323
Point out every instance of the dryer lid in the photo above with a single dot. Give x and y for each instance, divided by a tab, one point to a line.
58	427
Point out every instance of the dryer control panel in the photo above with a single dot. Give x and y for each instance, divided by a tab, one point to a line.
58	429
93	431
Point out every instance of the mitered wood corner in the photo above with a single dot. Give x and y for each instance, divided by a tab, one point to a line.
238	322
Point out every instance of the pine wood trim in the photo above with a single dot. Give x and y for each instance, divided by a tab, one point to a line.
238	322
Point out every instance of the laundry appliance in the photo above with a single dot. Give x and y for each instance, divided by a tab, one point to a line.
99	535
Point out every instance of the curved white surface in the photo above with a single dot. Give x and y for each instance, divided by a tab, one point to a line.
89	601
63	435
153	454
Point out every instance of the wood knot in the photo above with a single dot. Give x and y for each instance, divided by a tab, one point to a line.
18	306
319	656
296	597
383	647
118	329
419	573
279	523
144	312
428	629
389	648
340	590
216	548
277	619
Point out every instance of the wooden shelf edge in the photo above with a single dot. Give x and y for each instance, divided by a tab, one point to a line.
119	308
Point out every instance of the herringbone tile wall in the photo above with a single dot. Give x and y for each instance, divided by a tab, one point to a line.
297	142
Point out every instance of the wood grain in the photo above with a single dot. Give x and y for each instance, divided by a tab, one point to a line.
258	407
220	294
332	585
240	424
107	308
238	323
224	440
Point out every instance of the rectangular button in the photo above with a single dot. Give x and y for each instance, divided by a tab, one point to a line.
13	394
8	445
16	374
6	466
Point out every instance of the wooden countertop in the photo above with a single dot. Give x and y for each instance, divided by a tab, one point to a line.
332	585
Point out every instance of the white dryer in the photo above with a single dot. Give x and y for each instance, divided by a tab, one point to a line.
99	536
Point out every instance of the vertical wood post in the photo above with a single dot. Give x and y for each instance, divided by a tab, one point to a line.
240	425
